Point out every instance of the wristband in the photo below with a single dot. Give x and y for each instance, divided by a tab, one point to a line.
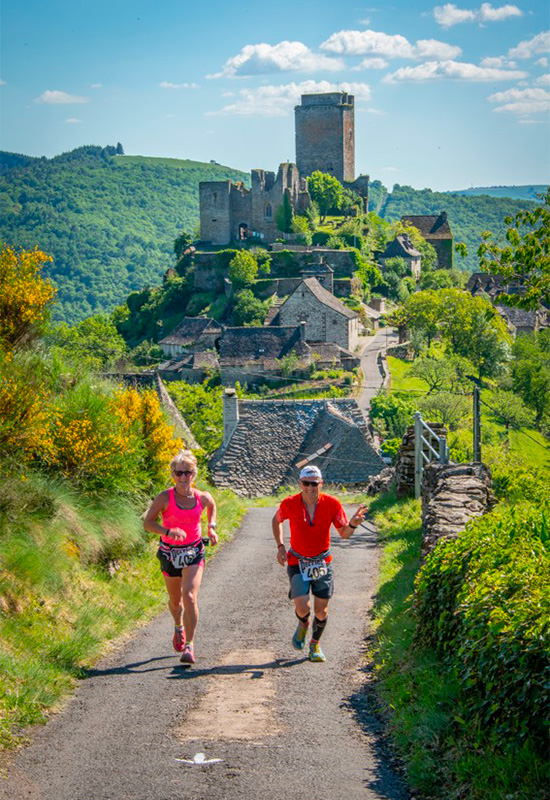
280	545
168	531
353	526
211	524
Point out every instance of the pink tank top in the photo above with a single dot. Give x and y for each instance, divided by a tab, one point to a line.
188	519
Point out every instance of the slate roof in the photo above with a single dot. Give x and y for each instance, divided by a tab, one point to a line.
518	317
273	435
326	298
200	359
492	284
401	246
191	329
241	346
431	226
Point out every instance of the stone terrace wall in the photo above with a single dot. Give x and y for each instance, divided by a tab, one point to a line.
452	495
404	464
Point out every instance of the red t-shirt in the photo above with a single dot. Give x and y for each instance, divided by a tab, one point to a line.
311	537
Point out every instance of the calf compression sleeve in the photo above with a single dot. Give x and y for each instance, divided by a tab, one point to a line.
318	628
303	620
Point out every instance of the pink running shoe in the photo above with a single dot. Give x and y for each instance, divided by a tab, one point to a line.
188	655
179	640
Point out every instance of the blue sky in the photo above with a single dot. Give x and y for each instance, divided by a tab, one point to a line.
447	95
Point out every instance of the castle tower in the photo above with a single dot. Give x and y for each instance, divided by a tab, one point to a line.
325	135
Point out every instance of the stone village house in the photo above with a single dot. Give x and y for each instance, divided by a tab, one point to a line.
436	230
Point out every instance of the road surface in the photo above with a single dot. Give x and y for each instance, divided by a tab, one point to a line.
372	377
282	727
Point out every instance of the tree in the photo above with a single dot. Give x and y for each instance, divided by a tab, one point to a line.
443	279
248	310
437	373
181	244
326	191
422	311
526	258
511	411
25	296
285	214
94	340
531	372
349	201
445	407
300	226
119	149
243	269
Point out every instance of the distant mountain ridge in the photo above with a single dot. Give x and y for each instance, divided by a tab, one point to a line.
110	221
526	192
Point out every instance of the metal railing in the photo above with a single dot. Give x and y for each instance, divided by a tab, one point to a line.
421	443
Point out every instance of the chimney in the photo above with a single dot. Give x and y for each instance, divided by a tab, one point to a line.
302	331
230	414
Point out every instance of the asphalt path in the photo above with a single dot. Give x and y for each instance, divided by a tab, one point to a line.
282	727
372	377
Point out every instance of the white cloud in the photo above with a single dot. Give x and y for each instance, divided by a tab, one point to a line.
365	22
454	70
261	59
362	43
449	14
96	86
389	169
73	121
2	83
522	101
167	85
489	14
497	61
431	48
56	97
527	49
377	43
371	63
542	62
277	101
544	80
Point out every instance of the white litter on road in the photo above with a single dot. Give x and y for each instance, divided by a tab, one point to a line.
199	758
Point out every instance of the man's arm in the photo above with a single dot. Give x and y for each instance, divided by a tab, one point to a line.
277	528
354	523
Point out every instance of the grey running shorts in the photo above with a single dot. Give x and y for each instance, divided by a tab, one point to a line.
322	587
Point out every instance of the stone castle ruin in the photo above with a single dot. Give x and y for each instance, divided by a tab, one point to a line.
325	141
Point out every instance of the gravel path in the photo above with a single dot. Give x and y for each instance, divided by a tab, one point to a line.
281	725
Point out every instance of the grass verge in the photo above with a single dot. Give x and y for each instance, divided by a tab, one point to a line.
416	691
76	574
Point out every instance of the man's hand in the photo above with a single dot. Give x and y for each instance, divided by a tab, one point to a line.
281	555
359	516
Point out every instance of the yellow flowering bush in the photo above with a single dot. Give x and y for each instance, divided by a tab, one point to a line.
24	295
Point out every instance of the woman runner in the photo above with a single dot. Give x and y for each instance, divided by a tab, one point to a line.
181	549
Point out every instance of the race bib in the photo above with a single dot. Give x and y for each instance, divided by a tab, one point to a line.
313	568
183	556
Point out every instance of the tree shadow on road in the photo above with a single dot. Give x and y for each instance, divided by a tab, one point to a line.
183	671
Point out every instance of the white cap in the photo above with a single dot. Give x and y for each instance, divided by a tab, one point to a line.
311	472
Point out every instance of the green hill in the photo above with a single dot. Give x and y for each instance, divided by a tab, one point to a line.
528	192
109	221
468	216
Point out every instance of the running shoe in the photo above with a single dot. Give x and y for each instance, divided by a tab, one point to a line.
179	640
299	638
188	655
315	652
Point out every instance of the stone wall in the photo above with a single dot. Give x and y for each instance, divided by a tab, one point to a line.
323	324
452	495
404	463
399	350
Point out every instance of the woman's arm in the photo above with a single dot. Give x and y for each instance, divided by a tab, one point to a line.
159	504
211	513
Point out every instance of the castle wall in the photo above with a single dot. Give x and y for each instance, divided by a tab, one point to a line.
215	211
325	135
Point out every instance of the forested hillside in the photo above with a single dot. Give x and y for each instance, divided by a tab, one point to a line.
529	192
468	216
109	221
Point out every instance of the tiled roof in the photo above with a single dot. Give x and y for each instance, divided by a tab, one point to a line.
326	297
433	226
401	246
273	435
190	329
245	345
200	359
518	317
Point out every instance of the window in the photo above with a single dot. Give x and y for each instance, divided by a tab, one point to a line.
214	197
268	211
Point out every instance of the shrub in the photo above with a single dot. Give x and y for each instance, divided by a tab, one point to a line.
25	296
482	602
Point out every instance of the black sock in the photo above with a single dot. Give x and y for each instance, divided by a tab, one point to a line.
303	620
318	628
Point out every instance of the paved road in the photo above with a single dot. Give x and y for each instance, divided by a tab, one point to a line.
282	726
385	337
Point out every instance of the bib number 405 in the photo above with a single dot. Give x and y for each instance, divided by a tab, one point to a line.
313	569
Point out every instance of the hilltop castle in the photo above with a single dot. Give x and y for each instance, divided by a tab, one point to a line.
325	141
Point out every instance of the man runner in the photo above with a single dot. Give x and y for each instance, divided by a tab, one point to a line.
309	561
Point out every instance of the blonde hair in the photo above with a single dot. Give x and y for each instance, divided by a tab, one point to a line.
184	455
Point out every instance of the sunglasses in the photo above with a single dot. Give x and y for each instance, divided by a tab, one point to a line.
309	483
179	472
